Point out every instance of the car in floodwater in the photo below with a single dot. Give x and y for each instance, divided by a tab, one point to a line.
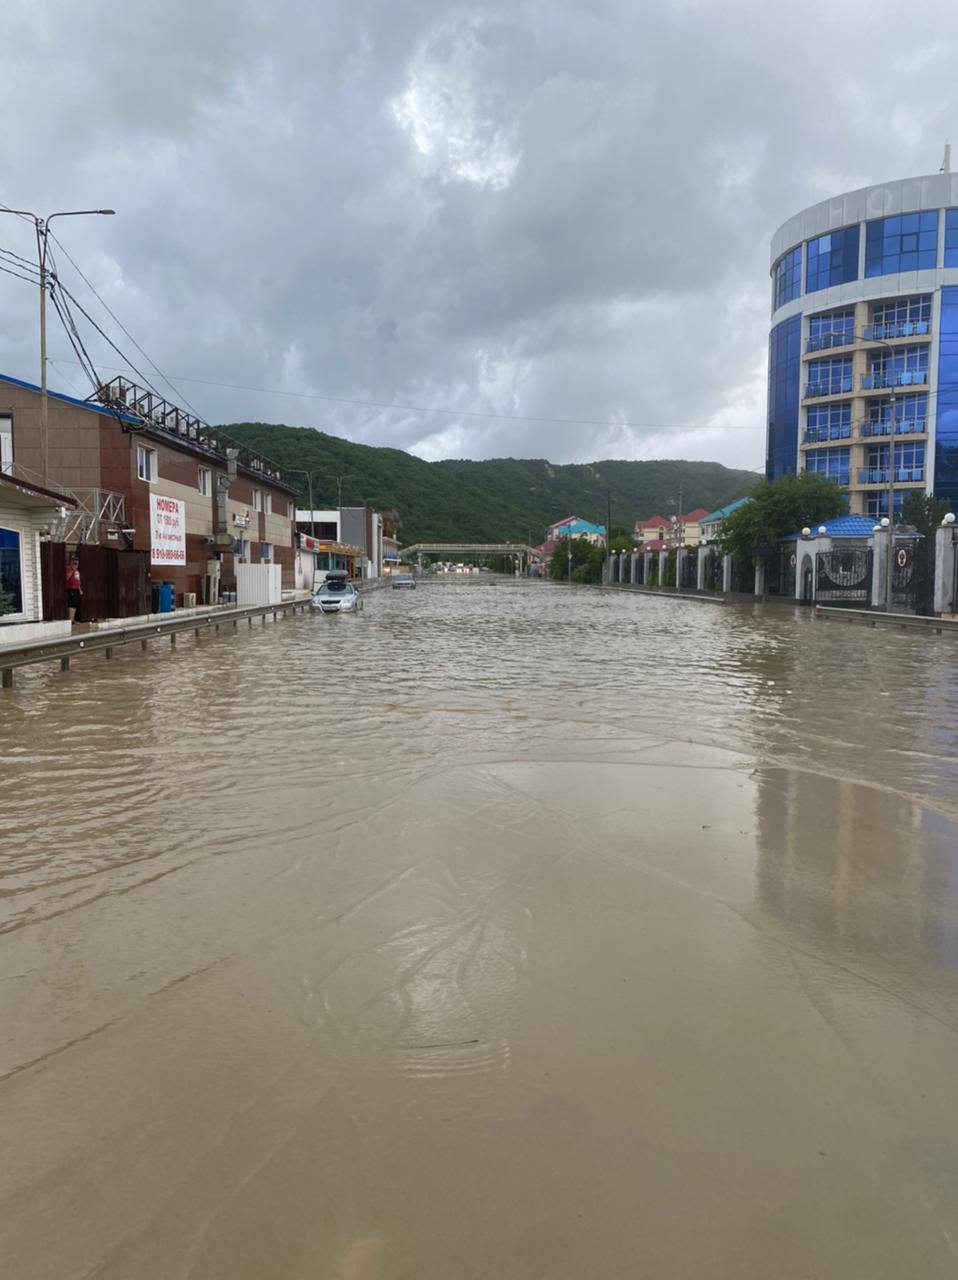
337	595
403	580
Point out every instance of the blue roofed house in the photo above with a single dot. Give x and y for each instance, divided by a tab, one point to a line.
576	527
710	526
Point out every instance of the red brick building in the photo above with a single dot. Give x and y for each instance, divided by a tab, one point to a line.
231	505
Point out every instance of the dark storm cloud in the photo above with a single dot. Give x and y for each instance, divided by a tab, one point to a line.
541	209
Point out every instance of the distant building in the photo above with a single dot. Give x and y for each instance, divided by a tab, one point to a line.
576	527
670	531
710	526
349	538
30	577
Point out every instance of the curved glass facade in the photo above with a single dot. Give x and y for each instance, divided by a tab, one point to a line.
832	259
907	242
788	277
946	429
784	378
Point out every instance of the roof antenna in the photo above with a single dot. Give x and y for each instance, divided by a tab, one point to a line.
946	163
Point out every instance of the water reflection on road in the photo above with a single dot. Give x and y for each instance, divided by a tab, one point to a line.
504	929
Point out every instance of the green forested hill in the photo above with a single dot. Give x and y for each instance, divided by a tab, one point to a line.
496	500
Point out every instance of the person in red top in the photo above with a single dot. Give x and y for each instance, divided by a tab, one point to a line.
74	590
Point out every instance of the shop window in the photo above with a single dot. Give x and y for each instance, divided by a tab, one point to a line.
11	574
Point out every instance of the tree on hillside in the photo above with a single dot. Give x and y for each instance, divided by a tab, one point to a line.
777	508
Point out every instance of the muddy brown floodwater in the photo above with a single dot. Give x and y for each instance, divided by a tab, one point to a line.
504	931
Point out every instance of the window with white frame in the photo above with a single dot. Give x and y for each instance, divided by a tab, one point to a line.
265	552
6	444
257	500
203	481
291	511
11	574
267	502
145	463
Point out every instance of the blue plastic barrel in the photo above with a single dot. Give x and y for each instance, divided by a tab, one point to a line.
166	597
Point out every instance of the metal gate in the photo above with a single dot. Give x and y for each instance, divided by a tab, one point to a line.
743	576
640	570
714	571
690	570
780	574
913	575
845	577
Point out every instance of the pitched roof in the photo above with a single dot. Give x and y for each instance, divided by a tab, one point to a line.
847	526
693	517
33	495
652	523
714	516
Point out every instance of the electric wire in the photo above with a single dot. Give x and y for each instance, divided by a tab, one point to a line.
179	395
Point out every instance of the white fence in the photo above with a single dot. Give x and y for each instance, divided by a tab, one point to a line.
258	584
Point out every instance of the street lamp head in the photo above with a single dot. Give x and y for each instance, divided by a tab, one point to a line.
885	522
822	529
806	532
949	518
876	528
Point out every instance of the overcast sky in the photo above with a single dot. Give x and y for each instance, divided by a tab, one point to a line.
532	208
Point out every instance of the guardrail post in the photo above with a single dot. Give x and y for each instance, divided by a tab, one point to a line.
65	663
250	620
172	639
7	679
108	651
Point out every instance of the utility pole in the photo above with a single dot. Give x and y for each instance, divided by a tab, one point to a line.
41	227
608	537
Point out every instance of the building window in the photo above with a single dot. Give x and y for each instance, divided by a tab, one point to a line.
787	275
784	388
832	329
291	511
911	415
265	552
6	444
267	502
257	500
11	574
876	504
829	377
951	238
908	242
909	462
900	318
899	368
828	422
834	463
203	481
145	463
832	259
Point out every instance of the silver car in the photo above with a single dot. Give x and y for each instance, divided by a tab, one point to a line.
337	595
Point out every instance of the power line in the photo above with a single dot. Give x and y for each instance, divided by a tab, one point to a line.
179	395
458	413
34	280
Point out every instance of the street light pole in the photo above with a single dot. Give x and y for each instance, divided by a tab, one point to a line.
41	227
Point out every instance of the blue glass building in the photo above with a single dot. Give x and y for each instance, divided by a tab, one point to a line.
863	343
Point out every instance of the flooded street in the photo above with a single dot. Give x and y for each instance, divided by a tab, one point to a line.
504	930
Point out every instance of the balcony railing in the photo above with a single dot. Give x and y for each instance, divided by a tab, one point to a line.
903	427
833	387
823	341
824	435
897	329
879	475
894	378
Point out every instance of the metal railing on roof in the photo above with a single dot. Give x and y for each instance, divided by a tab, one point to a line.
158	414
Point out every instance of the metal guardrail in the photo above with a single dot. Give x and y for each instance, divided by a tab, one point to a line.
876	618
105	641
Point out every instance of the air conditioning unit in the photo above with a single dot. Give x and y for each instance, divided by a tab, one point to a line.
189	599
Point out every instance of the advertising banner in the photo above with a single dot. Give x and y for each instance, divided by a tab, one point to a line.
167	530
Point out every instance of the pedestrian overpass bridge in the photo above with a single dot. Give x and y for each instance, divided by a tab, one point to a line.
446	549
